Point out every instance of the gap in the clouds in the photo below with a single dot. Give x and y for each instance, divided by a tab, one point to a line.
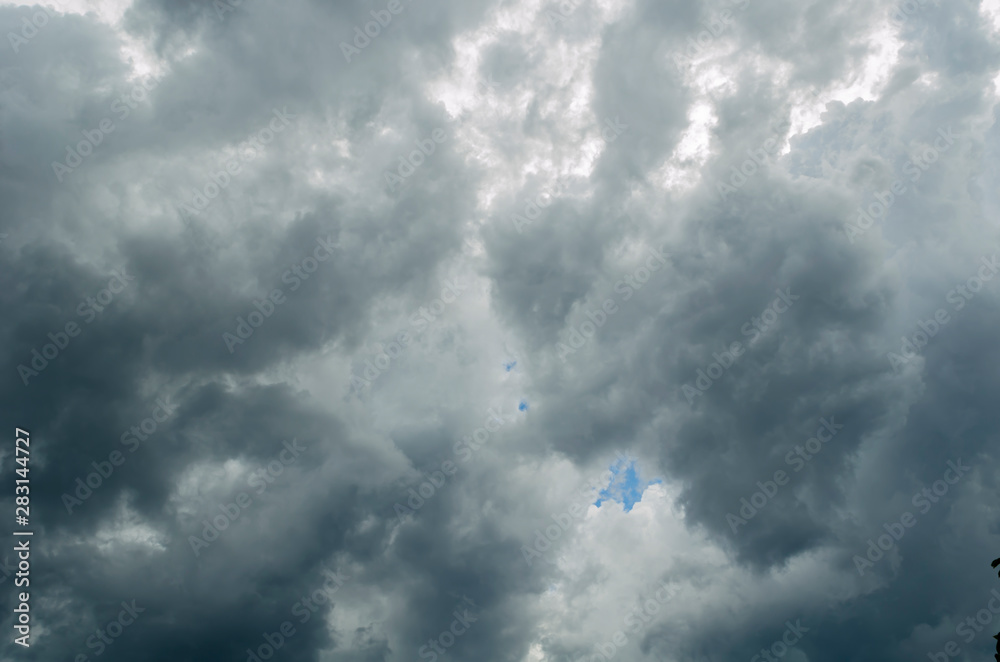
625	487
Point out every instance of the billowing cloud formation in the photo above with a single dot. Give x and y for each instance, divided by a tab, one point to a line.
328	323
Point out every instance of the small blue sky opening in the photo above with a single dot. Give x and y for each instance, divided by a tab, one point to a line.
626	486
509	366
523	405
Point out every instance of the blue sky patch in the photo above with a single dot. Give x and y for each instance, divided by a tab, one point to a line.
626	487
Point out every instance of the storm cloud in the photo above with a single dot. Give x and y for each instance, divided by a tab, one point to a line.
528	331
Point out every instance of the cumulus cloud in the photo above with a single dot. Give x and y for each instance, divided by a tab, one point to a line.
501	330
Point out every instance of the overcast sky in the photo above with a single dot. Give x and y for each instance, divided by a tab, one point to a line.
520	331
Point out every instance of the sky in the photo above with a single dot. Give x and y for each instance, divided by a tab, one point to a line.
507	330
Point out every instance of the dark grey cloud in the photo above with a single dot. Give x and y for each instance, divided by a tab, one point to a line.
652	216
